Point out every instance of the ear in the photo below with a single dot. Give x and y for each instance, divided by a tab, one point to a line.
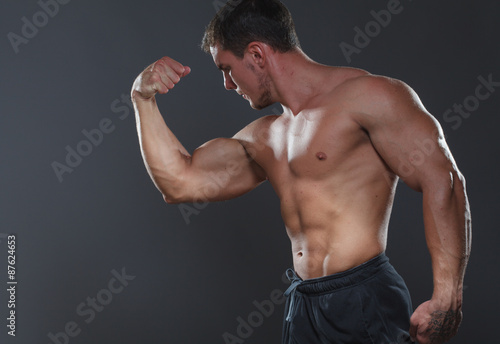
257	52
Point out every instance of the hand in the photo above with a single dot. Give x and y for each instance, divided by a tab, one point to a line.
431	323
160	77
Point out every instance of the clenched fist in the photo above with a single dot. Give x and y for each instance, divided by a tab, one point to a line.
434	323
160	77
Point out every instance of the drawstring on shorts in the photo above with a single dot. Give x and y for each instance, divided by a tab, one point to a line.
295	280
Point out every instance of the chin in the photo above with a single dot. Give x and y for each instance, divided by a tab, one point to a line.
264	101
260	106
255	107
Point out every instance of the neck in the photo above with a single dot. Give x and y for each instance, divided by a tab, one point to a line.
295	80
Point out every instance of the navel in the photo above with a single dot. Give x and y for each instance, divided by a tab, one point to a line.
321	156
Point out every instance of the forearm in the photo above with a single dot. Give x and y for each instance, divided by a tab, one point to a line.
164	156
448	232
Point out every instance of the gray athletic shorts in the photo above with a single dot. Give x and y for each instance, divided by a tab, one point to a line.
366	304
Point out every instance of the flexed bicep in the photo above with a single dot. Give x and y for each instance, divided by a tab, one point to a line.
219	170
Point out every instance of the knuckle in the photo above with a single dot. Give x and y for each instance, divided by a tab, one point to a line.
163	60
157	64
163	89
154	78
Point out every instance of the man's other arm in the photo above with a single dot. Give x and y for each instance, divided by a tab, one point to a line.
218	170
411	142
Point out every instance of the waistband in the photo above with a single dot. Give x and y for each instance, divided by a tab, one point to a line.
339	280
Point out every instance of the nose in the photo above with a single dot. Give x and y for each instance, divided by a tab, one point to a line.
228	82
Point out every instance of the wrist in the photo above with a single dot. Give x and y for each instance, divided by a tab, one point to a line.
448	298
448	284
138	97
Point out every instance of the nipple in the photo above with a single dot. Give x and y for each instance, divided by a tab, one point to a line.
321	156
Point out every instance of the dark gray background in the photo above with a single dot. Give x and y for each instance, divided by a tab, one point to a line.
194	280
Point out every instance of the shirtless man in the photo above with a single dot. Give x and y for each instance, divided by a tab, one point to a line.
334	158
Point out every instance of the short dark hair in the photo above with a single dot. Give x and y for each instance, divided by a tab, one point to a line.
240	22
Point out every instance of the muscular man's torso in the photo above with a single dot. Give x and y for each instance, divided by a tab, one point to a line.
336	193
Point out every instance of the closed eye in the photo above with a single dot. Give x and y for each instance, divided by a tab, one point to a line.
225	69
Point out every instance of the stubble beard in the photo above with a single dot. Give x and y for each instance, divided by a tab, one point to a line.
265	98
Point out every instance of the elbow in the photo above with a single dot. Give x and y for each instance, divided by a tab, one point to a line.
447	186
458	184
170	200
175	195
172	197
173	189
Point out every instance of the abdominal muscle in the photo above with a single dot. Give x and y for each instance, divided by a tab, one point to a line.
331	233
316	254
335	191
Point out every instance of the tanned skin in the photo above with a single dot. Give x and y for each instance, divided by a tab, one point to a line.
333	157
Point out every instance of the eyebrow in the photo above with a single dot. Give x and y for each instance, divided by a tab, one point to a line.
222	67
